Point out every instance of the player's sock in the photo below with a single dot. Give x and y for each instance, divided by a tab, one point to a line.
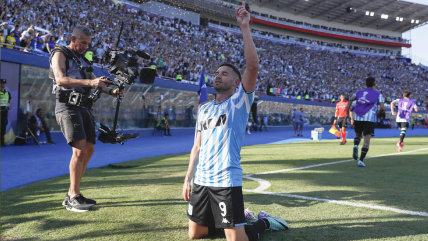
343	135
402	135
363	153
255	230
357	141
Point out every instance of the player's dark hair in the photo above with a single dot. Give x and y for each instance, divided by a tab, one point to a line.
343	95
370	82
233	68
407	93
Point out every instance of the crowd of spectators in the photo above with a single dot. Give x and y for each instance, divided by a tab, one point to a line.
178	48
229	5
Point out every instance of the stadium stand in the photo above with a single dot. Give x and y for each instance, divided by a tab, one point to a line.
292	67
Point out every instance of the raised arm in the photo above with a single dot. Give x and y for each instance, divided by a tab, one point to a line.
251	58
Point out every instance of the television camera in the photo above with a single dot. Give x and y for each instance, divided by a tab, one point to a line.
124	66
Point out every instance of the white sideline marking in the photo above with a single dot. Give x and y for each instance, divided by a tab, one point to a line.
265	184
424	214
331	163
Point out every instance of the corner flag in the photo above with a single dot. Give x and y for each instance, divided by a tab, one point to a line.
333	130
203	97
202	89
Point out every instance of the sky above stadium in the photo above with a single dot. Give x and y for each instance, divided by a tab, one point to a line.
419	36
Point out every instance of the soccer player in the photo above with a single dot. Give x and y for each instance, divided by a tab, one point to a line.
340	117
405	107
216	201
295	118
365	117
301	118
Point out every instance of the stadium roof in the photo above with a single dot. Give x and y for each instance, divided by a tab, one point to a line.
335	11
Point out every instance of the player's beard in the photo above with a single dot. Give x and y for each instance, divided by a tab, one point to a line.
222	88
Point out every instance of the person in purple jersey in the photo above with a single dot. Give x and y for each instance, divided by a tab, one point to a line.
216	201
365	117
405	107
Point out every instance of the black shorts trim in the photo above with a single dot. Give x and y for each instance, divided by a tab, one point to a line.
365	127
219	207
341	121
403	124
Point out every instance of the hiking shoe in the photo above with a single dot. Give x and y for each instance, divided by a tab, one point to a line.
355	153
277	223
66	199
361	164
398	146
89	201
249	216
78	204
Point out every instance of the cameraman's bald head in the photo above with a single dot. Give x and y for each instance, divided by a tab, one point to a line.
80	39
80	31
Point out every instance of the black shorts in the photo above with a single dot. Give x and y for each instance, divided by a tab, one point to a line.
219	207
403	124
77	124
341	121
364	126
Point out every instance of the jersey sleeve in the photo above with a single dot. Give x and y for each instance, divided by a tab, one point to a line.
243	100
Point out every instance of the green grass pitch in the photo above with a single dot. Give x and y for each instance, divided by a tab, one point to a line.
141	199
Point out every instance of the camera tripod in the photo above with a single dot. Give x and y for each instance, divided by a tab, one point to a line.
28	135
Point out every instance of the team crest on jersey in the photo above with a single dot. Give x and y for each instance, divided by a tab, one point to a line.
213	122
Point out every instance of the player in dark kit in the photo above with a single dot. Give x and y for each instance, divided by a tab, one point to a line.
365	117
405	108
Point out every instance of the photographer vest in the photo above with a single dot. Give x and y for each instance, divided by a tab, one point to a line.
76	66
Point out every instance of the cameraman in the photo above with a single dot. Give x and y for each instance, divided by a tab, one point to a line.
77	123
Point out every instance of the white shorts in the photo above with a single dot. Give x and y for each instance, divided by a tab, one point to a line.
249	124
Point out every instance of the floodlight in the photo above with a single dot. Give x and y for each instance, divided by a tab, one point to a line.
401	19
417	21
372	14
412	21
367	12
397	19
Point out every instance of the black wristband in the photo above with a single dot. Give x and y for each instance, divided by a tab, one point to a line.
110	92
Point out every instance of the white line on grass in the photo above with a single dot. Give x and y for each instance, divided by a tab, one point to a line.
331	163
265	184
362	205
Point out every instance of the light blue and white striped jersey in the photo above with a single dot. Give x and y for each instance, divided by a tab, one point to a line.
222	126
399	119
371	114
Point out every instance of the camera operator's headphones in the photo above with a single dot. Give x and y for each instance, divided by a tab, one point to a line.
69	55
